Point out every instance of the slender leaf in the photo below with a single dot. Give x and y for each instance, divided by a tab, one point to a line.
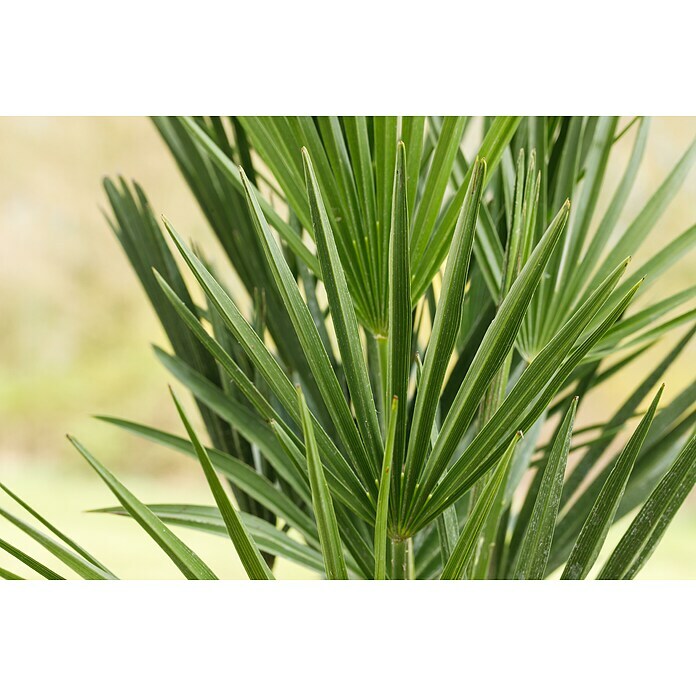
249	554
465	548
383	498
208	519
191	566
52	528
536	545
493	350
646	530
596	527
30	562
331	546
343	315
443	336
84	568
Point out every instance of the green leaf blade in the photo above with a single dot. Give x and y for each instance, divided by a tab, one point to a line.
191	566
464	550
647	528
536	544
254	564
324	513
383	498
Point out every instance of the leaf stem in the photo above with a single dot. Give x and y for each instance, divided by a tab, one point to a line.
402	559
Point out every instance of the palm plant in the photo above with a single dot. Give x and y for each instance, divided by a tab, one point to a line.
399	399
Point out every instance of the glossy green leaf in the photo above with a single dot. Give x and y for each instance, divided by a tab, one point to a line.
494	348
343	315
311	342
399	315
487	445
231	172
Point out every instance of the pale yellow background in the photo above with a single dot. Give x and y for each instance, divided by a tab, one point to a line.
75	332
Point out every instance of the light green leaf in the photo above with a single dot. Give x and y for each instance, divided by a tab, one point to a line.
30	562
465	548
435	184
399	312
9	575
231	172
249	554
536	544
311	342
383	498
596	527
487	446
636	233
331	546
443	336
192	567
76	562
208	519
52	528
496	344
343	316
276	379
646	530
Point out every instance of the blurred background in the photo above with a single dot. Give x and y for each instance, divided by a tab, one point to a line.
76	331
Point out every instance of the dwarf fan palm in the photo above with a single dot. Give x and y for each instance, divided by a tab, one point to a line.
423	330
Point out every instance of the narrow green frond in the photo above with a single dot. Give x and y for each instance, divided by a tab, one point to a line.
399	311
192	567
30	562
343	315
465	548
311	342
636	233
331	546
52	528
255	485
249	554
596	527
9	575
626	409
494	144
383	498
646	530
273	374
206	518
435	183
496	344
75	561
536	545
231	172
443	337
483	451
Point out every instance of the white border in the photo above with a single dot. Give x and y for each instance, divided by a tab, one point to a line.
125	57
353	638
